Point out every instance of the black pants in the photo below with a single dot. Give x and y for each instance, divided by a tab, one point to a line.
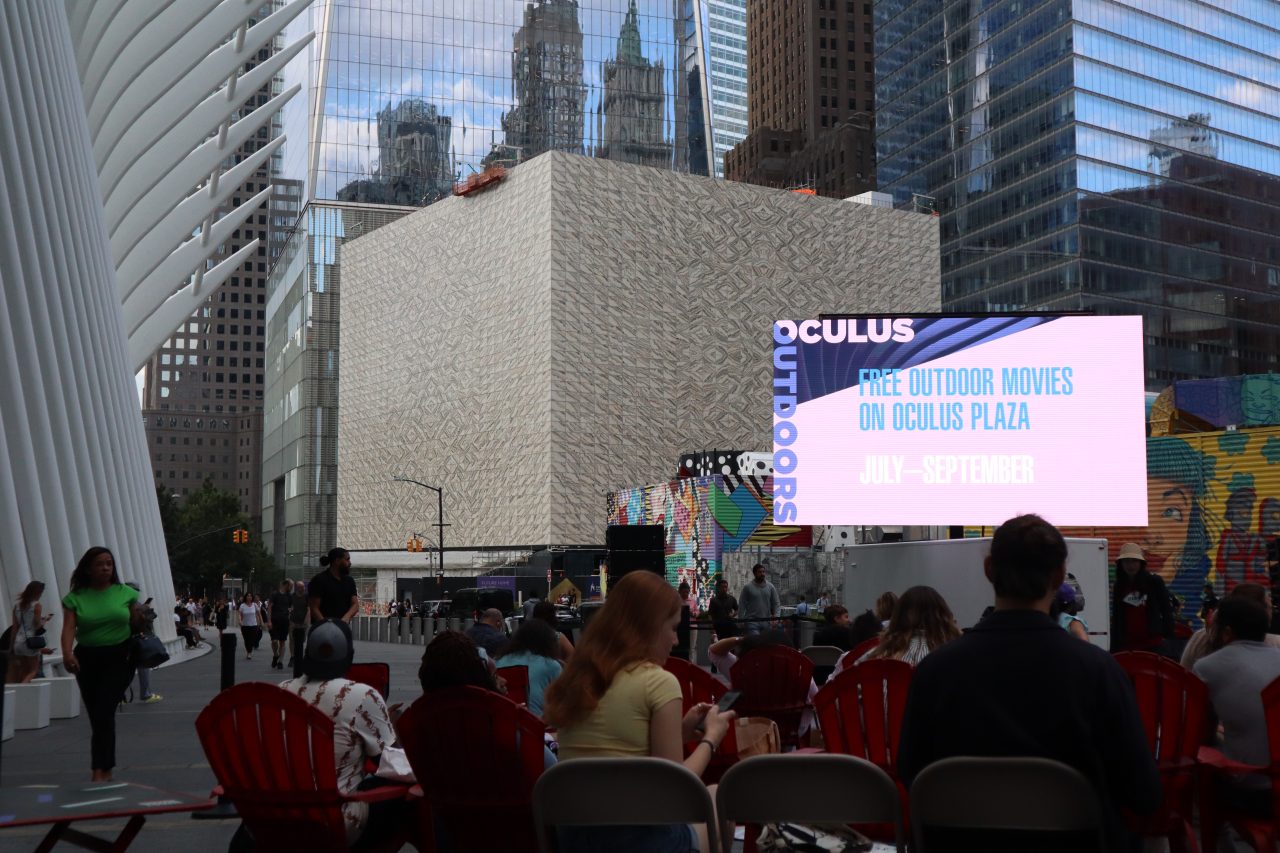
105	673
252	636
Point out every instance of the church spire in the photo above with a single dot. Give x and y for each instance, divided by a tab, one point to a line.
629	39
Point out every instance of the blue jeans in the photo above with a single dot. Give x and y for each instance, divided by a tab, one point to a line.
144	682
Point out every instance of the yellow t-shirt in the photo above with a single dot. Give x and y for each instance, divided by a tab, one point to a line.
619	726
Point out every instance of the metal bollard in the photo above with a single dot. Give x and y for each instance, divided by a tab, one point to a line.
299	649
453	623
227	643
701	642
806	634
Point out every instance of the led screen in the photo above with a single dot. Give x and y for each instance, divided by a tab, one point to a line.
959	420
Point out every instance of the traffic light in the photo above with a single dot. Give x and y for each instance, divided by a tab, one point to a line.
240	536
414	544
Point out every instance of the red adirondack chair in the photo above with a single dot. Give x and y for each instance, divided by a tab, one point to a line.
861	649
376	675
860	711
1174	707
272	754
517	679
1215	812
774	681
476	755
698	685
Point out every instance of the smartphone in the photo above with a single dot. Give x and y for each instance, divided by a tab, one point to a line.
727	700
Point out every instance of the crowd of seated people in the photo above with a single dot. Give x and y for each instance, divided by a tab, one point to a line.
1009	685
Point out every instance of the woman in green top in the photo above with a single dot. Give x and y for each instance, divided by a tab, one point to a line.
99	614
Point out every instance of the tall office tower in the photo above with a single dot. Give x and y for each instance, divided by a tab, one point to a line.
202	390
415	164
633	103
810	102
546	67
1116	156
726	34
401	103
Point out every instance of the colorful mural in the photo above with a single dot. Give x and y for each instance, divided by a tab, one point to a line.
1213	505
1241	400
706	517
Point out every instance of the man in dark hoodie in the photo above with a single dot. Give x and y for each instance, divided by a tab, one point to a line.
1141	611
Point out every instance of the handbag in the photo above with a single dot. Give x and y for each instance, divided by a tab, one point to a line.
757	736
148	651
33	643
812	839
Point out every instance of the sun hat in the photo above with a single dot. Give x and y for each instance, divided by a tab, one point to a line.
329	650
1131	551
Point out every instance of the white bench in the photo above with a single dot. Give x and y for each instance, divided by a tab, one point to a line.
64	697
6	725
31	704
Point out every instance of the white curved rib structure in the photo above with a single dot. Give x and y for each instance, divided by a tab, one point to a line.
147	69
106	125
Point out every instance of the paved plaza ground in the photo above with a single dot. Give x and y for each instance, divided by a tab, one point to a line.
157	745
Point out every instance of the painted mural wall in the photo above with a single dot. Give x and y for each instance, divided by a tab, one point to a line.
706	517
1213	504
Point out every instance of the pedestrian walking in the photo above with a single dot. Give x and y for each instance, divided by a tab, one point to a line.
299	617
250	624
146	625
278	620
26	638
98	615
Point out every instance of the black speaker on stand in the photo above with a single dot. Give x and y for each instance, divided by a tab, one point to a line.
636	546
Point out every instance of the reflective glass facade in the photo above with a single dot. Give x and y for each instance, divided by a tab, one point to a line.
300	421
400	99
1121	156
416	94
726	38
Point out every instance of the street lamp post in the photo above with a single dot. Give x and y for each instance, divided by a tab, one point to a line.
439	525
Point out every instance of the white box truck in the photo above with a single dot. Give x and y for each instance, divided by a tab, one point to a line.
954	568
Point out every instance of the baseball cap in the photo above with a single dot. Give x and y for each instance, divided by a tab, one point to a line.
1130	551
329	650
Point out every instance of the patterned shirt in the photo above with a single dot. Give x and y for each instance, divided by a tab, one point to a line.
361	729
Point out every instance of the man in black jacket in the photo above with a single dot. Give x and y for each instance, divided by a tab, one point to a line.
1019	685
1141	610
721	609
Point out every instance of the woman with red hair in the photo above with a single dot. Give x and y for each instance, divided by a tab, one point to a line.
615	699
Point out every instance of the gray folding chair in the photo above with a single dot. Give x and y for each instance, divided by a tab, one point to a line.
824	660
802	789
620	792
1007	794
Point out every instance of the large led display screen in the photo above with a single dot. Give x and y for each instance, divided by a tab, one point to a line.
945	420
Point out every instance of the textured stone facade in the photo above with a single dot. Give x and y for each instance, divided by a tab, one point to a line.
574	329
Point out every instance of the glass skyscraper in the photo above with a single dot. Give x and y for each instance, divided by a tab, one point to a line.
408	96
401	99
1119	156
725	25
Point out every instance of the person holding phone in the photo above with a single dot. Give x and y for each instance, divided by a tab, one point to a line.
615	699
27	642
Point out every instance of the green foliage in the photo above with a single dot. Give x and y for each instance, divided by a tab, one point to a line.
198	535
